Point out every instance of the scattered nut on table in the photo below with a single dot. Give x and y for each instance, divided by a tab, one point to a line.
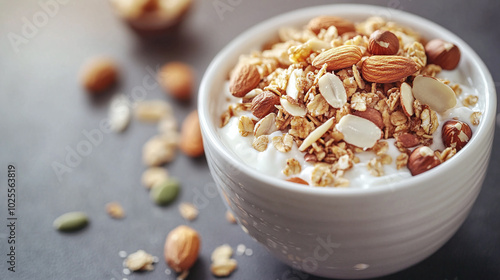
98	74
222	264
177	80
115	210
191	142
188	211
139	260
181	248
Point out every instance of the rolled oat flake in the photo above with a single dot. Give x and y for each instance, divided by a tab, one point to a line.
71	221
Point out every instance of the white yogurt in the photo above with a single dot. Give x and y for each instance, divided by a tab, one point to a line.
272	162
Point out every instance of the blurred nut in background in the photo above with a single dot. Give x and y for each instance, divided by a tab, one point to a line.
177	79
152	17
191	142
98	74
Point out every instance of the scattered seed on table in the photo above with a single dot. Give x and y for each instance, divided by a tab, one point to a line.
165	192
71	221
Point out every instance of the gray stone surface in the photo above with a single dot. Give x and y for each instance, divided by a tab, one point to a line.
44	114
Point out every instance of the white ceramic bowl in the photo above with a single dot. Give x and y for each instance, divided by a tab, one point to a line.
349	232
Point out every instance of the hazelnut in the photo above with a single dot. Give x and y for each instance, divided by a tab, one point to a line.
98	74
264	103
177	79
383	43
421	160
456	134
442	53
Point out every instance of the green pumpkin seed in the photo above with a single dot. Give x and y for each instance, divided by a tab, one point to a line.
71	221
165	191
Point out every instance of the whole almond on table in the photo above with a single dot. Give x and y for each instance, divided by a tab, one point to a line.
383	42
338	58
181	248
98	74
264	103
191	142
421	160
324	22
177	79
387	68
245	78
456	134
442	53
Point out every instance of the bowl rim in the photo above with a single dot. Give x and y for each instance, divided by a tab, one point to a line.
209	130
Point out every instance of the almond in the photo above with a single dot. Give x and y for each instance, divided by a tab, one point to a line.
359	131
421	160
407	99
323	22
293	109
245	78
371	115
181	248
264	103
387	68
338	58
297	180
293	87
383	42
442	53
434	93
265	126
333	90
177	79
98	74
316	134
191	142
456	134
407	140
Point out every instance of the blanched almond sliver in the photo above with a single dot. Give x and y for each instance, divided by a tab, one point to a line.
432	92
266	125
358	131
119	113
292	109
407	99
291	89
332	89
316	134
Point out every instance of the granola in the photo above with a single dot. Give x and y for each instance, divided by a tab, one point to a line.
327	93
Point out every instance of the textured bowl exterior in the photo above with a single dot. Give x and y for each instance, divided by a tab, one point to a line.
348	233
